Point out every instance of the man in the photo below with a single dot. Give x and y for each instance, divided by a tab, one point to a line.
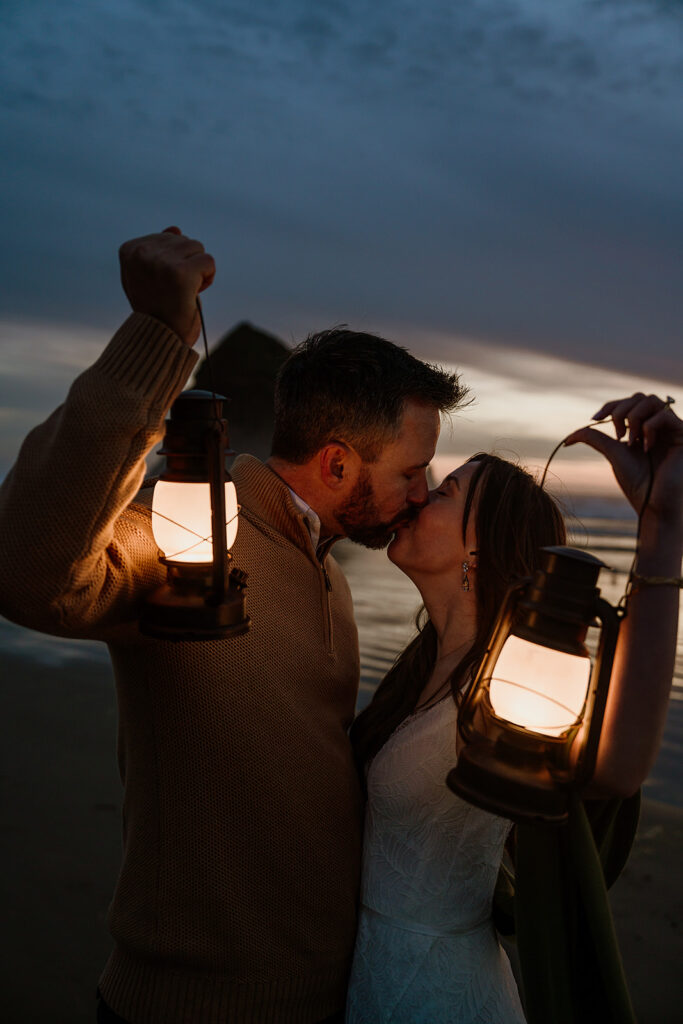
242	811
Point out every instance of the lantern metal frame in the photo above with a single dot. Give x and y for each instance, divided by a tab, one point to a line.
503	766
200	600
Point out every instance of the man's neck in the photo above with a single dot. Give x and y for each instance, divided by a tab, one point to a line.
299	479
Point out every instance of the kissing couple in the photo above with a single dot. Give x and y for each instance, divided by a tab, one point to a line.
281	861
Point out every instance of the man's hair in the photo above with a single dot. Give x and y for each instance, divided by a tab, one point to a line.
342	385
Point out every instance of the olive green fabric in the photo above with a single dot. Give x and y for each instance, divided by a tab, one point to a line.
555	901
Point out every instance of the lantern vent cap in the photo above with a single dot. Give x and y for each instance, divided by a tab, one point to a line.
197	405
571	564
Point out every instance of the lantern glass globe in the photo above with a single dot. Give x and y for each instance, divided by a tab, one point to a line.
181	520
539	688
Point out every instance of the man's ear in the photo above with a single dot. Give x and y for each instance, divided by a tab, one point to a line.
339	466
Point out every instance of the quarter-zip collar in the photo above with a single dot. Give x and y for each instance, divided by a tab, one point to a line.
312	521
265	496
266	500
311	517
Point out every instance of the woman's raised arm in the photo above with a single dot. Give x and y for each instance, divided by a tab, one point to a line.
648	447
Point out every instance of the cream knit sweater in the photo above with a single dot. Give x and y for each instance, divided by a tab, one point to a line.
241	814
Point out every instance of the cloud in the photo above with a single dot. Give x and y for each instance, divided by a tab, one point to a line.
504	170
37	366
524	405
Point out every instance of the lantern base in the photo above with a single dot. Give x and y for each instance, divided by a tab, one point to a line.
186	615
522	789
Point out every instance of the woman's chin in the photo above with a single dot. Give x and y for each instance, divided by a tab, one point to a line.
395	545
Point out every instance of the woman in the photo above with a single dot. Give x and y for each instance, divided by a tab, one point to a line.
427	949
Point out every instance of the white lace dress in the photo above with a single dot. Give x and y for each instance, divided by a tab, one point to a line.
427	951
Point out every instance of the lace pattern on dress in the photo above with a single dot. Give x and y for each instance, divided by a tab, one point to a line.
427	950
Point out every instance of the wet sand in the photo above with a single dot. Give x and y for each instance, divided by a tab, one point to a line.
61	848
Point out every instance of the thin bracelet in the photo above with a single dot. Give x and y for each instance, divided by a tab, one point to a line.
672	581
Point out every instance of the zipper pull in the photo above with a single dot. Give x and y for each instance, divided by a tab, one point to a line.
327	578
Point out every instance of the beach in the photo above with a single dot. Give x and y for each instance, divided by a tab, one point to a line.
61	851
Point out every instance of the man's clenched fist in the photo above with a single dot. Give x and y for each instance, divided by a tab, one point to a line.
163	274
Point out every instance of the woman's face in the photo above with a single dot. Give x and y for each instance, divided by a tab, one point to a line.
432	542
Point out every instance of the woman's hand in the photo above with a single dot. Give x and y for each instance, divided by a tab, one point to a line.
649	434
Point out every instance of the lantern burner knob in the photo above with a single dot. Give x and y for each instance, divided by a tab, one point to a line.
238	578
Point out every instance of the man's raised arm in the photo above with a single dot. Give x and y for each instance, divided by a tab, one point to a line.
75	559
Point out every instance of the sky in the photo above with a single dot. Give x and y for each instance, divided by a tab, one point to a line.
495	184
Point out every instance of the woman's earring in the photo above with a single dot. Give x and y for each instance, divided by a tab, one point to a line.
466	566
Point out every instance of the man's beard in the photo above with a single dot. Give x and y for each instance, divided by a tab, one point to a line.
359	516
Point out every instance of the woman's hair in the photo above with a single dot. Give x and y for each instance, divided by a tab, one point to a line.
513	518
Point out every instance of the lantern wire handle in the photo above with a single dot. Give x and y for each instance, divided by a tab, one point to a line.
212	380
199	540
216	441
623	601
557	447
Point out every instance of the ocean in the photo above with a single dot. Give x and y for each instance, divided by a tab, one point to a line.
386	603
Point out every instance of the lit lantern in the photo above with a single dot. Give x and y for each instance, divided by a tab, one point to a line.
194	522
531	719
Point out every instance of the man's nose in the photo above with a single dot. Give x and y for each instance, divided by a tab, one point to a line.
418	493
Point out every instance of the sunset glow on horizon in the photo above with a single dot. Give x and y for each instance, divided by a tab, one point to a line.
523	403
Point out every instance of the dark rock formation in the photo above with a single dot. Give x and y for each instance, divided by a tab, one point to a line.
245	363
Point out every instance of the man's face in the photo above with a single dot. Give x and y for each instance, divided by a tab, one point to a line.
392	489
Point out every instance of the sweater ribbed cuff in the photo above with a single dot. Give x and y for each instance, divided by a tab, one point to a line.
148	357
